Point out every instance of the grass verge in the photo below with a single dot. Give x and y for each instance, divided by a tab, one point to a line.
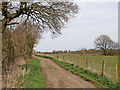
98	80
34	78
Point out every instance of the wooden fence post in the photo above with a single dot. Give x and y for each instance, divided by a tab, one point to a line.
63	57
103	66
116	72
69	61
72	60
85	62
76	61
57	56
80	62
93	66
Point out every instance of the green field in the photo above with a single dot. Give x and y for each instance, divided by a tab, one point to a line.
110	62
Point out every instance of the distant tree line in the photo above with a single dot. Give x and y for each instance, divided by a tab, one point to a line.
84	52
104	45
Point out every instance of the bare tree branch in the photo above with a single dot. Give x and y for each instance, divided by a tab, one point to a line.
51	16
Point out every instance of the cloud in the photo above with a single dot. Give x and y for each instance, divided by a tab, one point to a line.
93	20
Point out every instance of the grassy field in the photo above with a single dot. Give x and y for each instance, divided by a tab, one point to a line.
34	78
110	62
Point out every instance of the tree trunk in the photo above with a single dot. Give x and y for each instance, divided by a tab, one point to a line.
104	52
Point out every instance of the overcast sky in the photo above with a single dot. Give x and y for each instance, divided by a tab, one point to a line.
93	20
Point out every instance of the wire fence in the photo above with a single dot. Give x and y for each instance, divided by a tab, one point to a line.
106	66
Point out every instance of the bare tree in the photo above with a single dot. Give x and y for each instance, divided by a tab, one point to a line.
47	15
37	17
104	43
